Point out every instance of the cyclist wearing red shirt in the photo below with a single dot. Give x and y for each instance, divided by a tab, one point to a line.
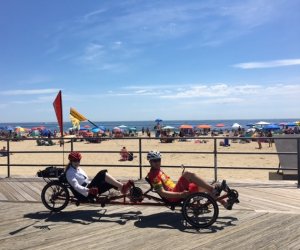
187	183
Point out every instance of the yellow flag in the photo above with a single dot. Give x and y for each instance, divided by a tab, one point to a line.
77	115
75	122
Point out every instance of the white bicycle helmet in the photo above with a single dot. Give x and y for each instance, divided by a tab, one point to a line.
153	155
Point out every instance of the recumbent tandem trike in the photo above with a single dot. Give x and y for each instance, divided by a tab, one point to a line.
200	209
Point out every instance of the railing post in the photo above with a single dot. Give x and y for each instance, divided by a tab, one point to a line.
140	157
72	146
8	159
298	160
215	160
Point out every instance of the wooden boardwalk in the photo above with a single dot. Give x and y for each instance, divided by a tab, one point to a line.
268	217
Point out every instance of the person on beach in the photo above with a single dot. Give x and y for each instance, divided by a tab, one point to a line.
101	183
270	140
188	183
259	140
3	152
124	154
148	132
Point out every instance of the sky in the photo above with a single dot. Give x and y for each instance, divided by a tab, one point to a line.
138	60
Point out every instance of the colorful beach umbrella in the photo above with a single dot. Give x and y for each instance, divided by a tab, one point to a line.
38	128
117	129
20	129
168	127
262	123
271	127
97	130
236	126
158	120
220	125
8	128
291	124
185	126
204	126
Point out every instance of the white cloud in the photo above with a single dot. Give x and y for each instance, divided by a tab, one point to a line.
93	52
207	23
268	64
213	91
29	92
89	16
220	93
40	99
117	45
36	79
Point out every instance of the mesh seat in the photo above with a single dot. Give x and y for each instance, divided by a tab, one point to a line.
81	198
172	204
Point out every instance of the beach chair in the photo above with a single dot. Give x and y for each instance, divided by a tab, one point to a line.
40	142
287	161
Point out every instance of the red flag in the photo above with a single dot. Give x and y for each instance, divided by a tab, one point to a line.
57	104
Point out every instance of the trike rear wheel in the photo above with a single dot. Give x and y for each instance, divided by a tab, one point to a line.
200	210
55	196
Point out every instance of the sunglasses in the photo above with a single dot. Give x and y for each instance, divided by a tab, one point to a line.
157	160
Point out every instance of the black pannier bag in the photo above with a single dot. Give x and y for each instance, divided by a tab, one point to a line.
51	172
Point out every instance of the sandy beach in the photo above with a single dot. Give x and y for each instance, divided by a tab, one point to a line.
170	159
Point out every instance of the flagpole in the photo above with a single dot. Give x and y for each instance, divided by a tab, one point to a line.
93	124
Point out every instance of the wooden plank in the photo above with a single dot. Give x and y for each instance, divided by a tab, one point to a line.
20	193
26	191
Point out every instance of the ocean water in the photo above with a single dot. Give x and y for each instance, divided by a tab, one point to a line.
146	124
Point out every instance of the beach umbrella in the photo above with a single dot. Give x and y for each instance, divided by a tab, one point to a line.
291	124
261	123
20	129
117	129
102	128
45	132
38	128
132	129
236	126
123	127
283	123
158	120
204	126
185	126
35	133
220	125
168	127
271	127
97	130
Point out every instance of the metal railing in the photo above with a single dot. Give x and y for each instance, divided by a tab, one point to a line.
214	152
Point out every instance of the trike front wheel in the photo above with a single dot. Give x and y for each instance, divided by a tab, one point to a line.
200	210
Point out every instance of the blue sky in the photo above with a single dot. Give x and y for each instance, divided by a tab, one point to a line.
138	60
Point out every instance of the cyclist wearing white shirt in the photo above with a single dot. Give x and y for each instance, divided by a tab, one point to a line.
101	183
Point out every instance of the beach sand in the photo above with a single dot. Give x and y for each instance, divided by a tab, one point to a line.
172	159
